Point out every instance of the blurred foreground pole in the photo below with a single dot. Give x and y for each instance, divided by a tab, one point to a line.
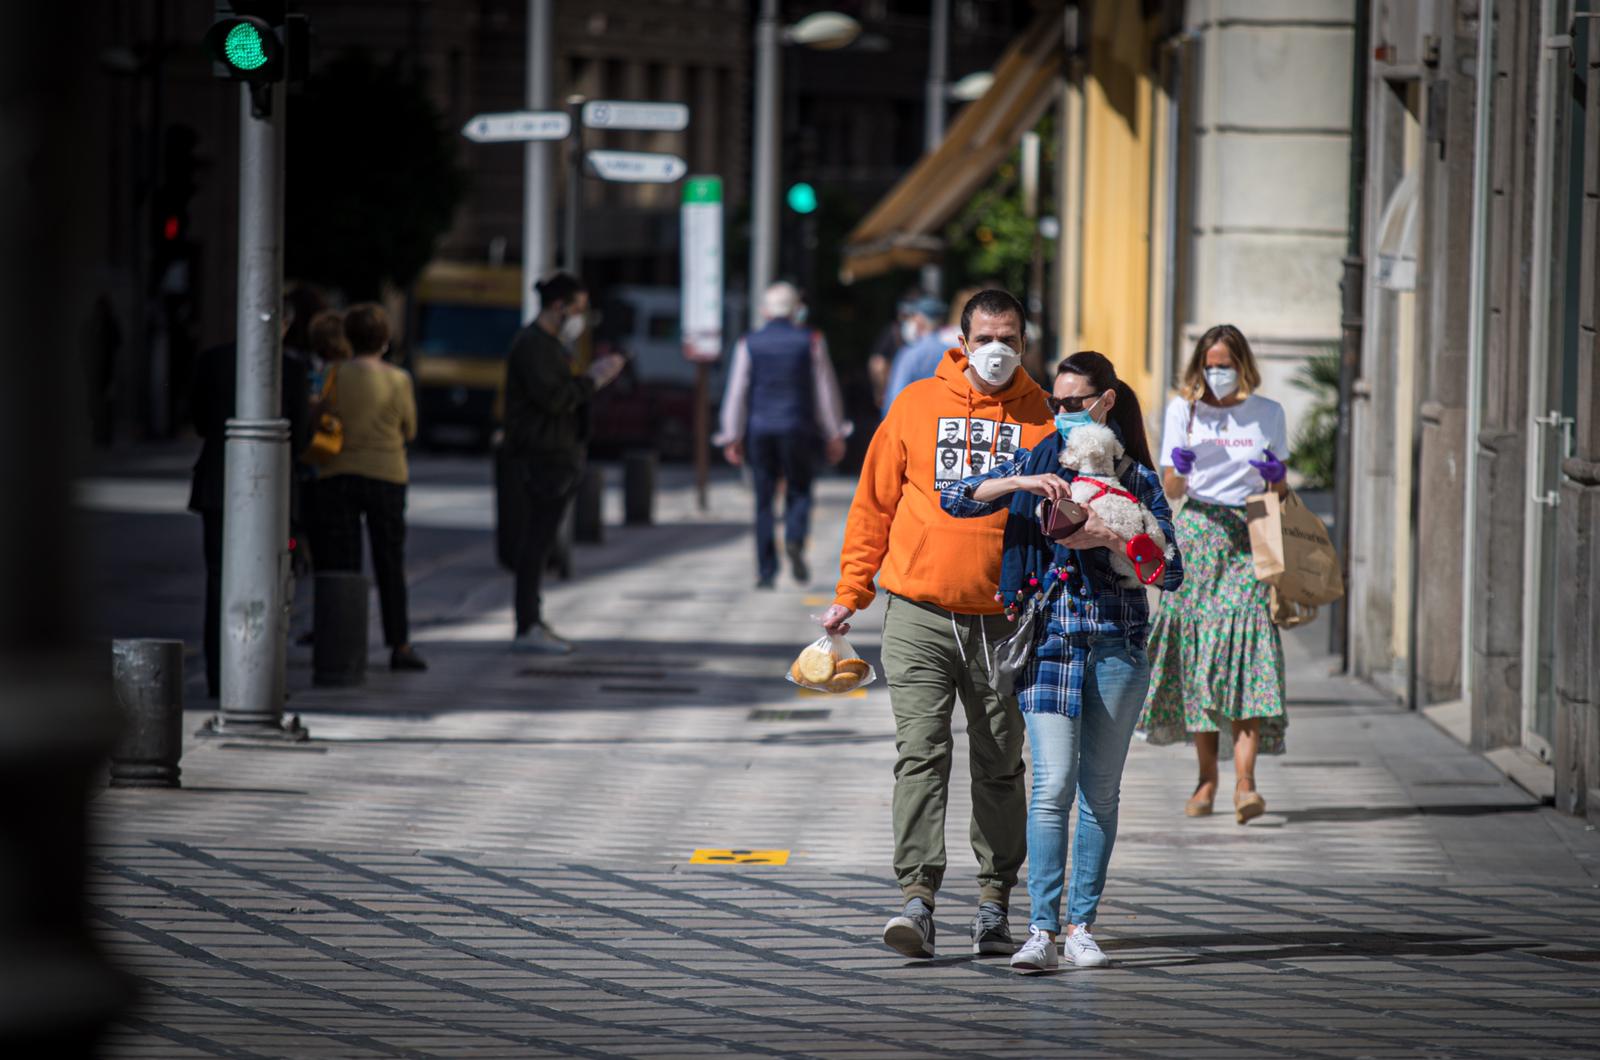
255	543
57	992
537	167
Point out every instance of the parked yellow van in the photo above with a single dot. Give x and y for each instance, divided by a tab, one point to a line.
464	318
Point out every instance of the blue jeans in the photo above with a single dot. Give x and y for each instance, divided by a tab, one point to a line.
1082	756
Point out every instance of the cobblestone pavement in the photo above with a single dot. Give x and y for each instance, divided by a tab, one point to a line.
493	858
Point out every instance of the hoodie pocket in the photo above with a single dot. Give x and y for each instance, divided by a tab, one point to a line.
907	539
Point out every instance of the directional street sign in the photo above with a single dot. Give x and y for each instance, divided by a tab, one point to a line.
517	125
637	167
701	243
626	114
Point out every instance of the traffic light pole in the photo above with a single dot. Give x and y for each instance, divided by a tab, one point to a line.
764	165
255	544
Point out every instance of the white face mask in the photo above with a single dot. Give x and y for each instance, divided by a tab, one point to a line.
1222	381
909	332
572	328
995	362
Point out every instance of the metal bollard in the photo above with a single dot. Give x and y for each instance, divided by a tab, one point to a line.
339	650
588	526
639	487
147	679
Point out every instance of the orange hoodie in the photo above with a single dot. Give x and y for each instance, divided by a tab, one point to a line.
938	430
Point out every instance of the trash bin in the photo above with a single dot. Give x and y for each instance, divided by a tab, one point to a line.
147	681
639	487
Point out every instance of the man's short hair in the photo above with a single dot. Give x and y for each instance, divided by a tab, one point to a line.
994	302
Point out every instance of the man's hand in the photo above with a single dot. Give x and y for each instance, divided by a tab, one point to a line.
606	369
733	453
835	620
834	450
1051	487
1095	534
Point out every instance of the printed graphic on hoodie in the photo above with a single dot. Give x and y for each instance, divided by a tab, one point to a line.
971	447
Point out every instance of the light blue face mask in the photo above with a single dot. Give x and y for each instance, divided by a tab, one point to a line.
1067	422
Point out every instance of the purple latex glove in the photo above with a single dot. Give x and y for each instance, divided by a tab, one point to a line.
1271	468
1183	460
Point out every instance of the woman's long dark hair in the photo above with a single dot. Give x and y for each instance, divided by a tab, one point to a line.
1127	415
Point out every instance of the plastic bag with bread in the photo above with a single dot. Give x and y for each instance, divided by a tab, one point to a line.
830	664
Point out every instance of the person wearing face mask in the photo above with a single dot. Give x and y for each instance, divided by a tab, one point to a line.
1216	657
1084	685
781	405
923	345
546	432
941	619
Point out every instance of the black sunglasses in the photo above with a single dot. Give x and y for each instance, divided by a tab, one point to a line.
1072	404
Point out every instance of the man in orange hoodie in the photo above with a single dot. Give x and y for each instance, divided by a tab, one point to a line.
942	620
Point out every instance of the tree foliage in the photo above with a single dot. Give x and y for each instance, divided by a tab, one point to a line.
991	239
1316	442
372	177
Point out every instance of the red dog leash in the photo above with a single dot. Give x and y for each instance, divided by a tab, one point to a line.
1142	549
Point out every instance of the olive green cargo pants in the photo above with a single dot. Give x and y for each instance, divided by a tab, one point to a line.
930	658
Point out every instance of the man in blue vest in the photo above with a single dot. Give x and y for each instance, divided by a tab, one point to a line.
781	406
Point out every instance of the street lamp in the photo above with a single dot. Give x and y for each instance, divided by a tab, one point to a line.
825	30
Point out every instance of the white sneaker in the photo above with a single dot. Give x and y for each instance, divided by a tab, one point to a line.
1083	950
539	640
1038	954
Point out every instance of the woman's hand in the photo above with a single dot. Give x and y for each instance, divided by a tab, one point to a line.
1053	487
1050	487
1095	534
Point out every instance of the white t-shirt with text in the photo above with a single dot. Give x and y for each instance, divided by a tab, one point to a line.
1224	441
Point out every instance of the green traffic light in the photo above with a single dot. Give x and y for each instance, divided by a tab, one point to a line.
243	47
802	197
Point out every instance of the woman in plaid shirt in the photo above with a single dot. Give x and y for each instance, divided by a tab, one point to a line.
1082	692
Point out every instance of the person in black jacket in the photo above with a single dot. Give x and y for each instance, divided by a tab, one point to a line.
546	431
211	405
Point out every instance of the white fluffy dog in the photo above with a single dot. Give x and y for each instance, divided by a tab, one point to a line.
1093	452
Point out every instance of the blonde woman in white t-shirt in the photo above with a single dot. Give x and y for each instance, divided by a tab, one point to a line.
1216	661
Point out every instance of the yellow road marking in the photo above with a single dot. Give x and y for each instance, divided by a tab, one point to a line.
818	601
739	857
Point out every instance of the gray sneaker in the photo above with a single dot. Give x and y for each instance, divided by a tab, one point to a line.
991	931
911	933
539	640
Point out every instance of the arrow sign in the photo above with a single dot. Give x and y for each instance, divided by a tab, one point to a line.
517	125
637	167
624	114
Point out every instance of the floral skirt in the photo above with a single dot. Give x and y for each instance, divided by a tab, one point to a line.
1215	655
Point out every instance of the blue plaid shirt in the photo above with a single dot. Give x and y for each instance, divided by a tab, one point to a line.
1092	604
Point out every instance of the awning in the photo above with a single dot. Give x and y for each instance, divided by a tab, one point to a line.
899	232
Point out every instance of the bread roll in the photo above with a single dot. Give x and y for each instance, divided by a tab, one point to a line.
816	665
858	667
844	681
794	672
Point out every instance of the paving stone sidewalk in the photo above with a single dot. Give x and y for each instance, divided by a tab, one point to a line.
493	859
